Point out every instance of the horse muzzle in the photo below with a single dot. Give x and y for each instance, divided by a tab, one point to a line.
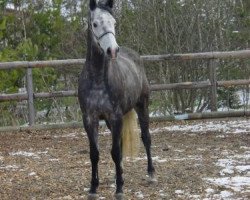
112	52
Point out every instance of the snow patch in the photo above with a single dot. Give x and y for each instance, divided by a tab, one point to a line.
179	150
54	160
10	167
245	148
179	192
232	165
162	193
226	194
197	158
28	154
209	191
69	135
236	183
163	160
226	171
244	168
32	174
158	159
226	127
139	195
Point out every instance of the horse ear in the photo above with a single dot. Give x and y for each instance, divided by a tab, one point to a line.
110	3
92	4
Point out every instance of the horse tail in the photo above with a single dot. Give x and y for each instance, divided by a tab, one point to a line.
130	135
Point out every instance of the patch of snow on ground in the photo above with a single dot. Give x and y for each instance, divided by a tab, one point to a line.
179	192
161	160
54	160
244	168
32	174
69	135
237	183
162	193
210	194
227	165
210	191
244	147
197	158
179	150
9	167
237	166
237	126
28	154
226	194
158	159
139	195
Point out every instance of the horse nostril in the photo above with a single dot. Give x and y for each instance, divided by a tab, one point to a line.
112	52
109	51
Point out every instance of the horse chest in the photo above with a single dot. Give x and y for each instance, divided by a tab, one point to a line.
98	101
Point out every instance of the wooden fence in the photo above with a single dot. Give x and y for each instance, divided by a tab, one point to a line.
212	83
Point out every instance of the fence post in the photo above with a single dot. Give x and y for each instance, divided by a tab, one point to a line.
213	81
30	93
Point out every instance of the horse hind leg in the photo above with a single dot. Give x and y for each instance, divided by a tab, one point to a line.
143	116
91	128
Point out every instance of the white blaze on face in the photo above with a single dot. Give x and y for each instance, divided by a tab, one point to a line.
103	22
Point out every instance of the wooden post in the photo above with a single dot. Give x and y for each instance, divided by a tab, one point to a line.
213	81
30	92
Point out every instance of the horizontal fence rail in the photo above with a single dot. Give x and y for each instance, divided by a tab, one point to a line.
189	56
212	83
197	56
190	116
156	87
41	64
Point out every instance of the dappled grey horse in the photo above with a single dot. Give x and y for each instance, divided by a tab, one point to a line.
112	84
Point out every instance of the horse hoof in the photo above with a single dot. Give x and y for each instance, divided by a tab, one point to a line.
92	196
119	196
152	180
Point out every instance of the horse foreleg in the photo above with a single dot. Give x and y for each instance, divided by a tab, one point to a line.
91	127
143	116
116	152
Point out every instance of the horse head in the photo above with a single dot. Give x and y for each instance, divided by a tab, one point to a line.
102	26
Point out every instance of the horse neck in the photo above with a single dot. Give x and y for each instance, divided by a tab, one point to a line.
95	60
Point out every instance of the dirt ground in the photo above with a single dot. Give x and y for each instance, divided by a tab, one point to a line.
55	164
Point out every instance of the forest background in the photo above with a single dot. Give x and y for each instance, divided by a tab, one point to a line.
56	29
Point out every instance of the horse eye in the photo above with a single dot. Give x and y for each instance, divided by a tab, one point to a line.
95	25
